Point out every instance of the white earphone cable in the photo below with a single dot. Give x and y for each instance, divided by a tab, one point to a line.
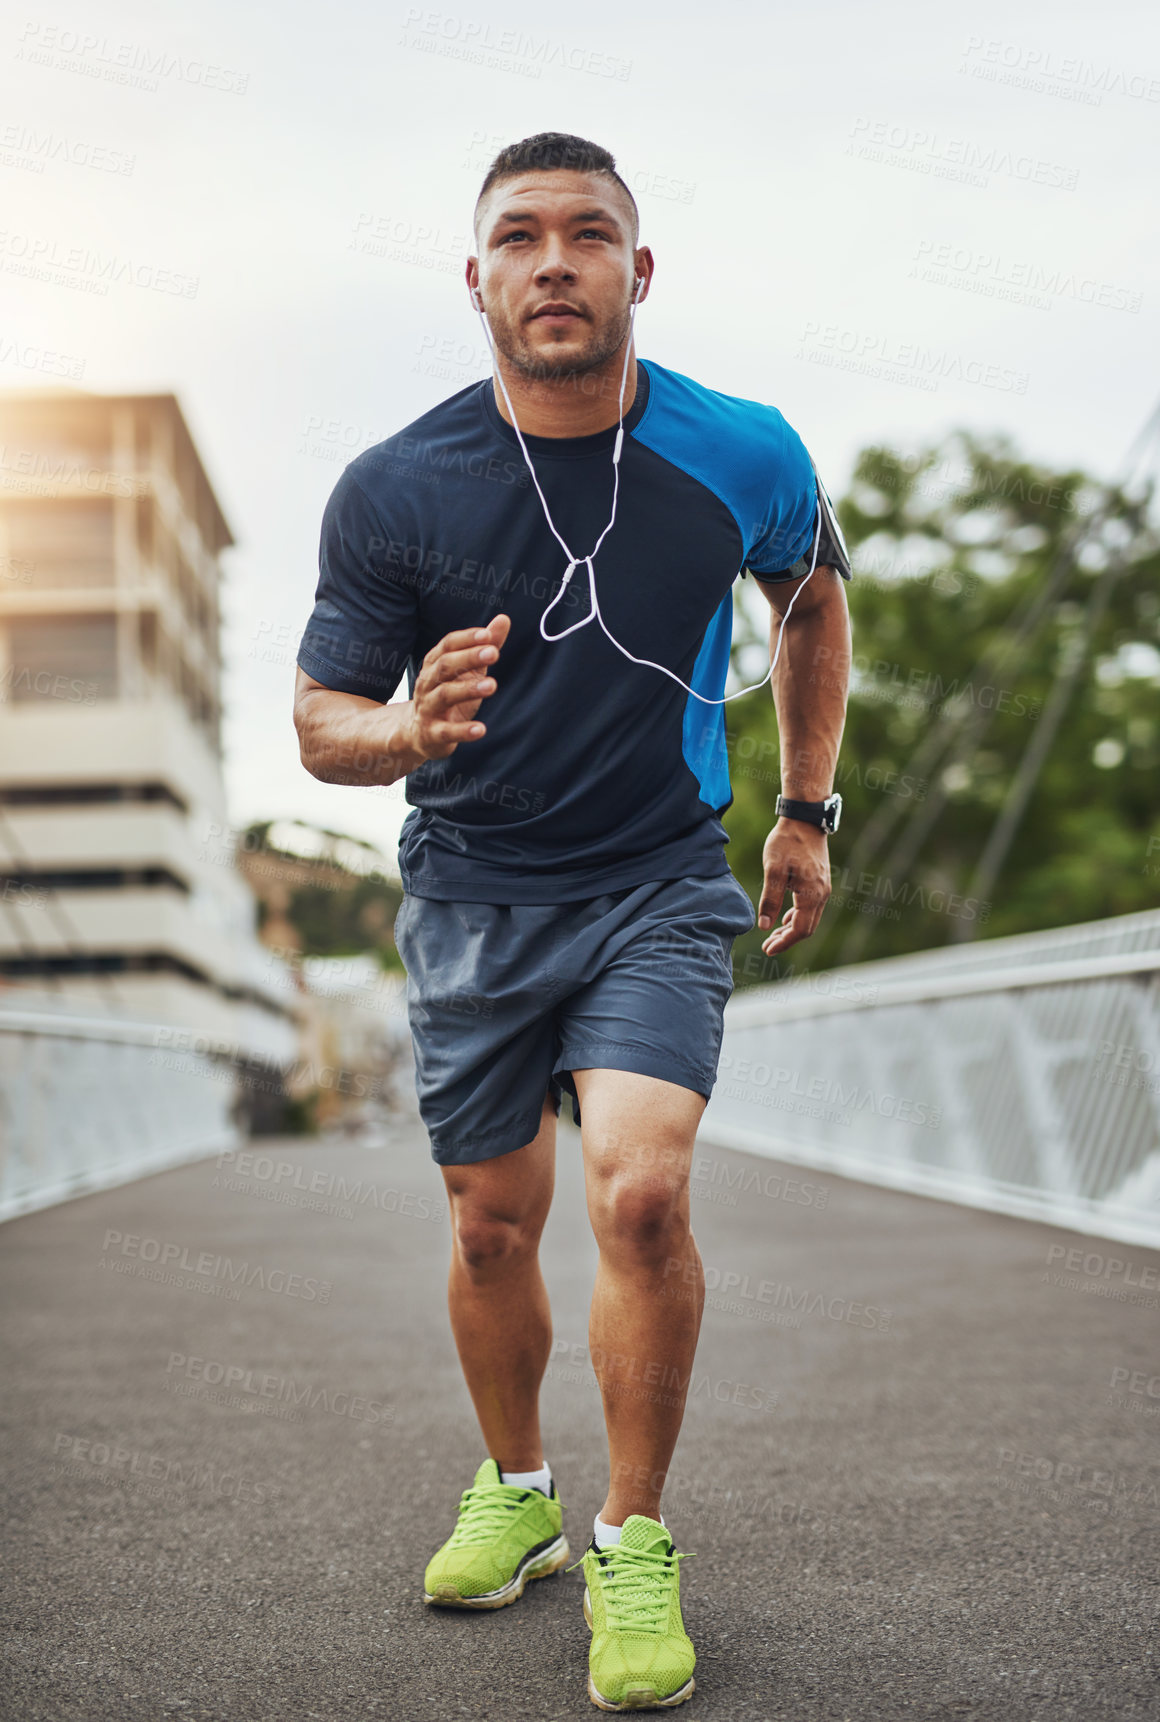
574	562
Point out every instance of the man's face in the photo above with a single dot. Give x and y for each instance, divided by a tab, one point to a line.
556	270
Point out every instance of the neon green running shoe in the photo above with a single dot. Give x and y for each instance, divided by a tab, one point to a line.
640	1658
504	1536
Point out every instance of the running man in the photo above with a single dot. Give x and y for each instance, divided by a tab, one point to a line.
569	914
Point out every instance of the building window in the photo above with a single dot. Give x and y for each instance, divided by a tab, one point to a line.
70	658
64	543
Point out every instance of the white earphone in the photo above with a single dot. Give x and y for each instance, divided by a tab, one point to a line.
575	561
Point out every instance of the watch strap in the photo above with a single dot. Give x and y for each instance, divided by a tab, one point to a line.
813	812
825	814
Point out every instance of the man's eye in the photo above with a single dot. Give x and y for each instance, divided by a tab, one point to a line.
518	234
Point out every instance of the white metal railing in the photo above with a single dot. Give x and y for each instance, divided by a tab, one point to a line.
85	1104
1018	1074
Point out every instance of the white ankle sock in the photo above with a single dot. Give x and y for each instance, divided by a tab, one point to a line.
607	1536
541	1479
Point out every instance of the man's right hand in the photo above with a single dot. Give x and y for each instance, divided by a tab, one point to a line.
452	684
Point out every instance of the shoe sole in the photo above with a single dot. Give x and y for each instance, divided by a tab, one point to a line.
548	1560
636	1697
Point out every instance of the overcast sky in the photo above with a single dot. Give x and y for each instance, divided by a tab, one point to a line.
968	206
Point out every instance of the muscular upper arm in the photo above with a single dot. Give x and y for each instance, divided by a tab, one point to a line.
823	587
304	686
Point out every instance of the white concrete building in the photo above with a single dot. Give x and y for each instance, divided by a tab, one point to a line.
111	901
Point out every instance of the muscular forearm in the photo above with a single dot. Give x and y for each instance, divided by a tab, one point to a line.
345	739
809	691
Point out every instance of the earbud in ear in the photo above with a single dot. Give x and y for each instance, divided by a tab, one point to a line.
475	299
639	289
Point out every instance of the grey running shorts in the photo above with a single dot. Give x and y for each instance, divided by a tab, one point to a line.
504	1003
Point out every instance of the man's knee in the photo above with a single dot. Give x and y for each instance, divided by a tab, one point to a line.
498	1207
637	1214
492	1227
486	1242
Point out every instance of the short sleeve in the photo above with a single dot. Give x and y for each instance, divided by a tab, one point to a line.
361	634
784	546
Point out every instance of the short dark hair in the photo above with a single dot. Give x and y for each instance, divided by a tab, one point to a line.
555	150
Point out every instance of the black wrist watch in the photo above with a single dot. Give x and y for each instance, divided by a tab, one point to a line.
825	813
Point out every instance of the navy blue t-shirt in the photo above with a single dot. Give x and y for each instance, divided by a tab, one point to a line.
595	773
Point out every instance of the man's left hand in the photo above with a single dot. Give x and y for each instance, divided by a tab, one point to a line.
797	859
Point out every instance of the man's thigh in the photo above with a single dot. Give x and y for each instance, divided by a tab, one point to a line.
638	1135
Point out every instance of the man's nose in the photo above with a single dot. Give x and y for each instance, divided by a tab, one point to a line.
552	265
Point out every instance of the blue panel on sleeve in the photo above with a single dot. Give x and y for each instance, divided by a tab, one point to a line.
703	730
746	454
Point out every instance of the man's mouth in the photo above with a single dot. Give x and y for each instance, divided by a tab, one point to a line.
557	308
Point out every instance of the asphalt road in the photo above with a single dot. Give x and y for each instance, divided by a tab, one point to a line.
920	1468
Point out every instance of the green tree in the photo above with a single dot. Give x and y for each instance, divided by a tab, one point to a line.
990	597
336	911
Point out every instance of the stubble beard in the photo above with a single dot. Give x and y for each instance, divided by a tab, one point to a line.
540	367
